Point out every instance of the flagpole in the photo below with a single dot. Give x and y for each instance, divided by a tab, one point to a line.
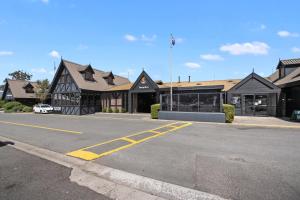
171	79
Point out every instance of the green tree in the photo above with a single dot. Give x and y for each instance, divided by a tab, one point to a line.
20	75
42	89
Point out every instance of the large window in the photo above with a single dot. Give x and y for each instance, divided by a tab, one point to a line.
192	102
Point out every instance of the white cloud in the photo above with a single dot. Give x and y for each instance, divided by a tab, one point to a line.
296	50
256	48
148	38
39	70
192	65
130	38
179	40
45	1
211	57
6	53
54	54
287	34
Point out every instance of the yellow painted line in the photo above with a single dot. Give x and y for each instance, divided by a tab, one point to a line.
129	140
40	127
87	155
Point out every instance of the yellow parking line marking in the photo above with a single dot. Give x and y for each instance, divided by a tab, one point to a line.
87	155
129	140
40	127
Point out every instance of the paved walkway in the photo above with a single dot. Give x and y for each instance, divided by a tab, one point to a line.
268	121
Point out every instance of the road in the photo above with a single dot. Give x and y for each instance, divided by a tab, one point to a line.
23	176
235	162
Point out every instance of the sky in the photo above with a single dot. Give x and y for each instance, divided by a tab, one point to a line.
214	39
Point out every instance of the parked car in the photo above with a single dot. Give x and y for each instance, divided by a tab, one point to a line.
43	108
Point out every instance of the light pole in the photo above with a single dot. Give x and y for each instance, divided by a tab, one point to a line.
172	43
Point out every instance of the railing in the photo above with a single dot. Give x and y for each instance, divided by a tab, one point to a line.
192	102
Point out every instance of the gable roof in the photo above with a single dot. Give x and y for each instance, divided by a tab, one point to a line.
17	88
294	61
262	80
150	82
99	83
294	76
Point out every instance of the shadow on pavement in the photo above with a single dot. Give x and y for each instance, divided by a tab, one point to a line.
4	143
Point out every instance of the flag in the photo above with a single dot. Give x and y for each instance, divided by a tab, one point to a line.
172	41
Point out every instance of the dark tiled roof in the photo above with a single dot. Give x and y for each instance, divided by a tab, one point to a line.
274	77
99	83
294	61
292	77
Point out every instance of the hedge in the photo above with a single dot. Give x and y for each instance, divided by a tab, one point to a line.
154	111
2	103
13	106
27	109
229	111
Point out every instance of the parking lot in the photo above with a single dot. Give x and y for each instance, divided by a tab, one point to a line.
232	161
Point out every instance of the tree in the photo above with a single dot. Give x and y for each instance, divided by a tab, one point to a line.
20	75
42	89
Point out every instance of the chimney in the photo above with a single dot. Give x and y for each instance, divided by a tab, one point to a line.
178	79
189	78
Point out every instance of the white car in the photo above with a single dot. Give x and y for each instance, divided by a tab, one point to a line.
43	108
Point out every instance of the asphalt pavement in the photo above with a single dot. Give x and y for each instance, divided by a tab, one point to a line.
234	162
24	176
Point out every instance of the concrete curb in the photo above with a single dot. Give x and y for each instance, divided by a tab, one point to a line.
113	183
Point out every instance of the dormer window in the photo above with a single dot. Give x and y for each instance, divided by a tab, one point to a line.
109	77
29	88
88	73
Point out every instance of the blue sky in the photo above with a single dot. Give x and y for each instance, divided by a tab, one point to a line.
214	39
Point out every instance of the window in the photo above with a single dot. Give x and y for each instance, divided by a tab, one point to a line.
88	76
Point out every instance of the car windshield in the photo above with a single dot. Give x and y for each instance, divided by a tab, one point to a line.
45	106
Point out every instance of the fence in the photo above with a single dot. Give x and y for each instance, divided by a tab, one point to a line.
192	102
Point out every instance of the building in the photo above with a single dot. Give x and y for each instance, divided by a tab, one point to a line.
76	89
287	78
81	89
254	95
20	90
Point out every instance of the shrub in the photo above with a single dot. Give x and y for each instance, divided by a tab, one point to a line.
109	110
27	109
154	111
13	106
123	110
103	109
229	111
117	110
2	103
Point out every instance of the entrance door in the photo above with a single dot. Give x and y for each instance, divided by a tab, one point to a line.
144	102
249	104
256	105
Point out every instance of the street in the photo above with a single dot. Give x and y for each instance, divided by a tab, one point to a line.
234	162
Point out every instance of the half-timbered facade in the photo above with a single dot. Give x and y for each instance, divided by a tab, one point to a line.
22	91
76	89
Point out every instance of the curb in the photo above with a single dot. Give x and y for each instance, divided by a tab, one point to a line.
113	183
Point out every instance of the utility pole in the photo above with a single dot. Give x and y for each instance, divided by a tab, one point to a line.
172	43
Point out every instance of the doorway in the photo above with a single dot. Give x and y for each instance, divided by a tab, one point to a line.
256	105
144	102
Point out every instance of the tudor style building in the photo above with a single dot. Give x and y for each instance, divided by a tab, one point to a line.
76	89
80	89
21	91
